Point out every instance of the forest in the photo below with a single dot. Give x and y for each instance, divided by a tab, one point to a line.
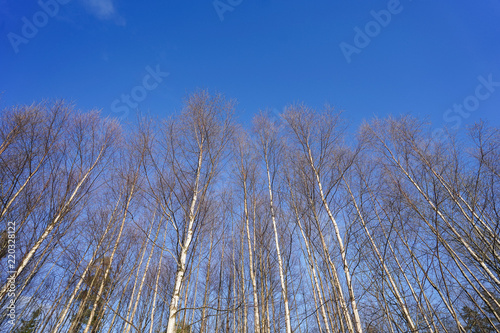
200	223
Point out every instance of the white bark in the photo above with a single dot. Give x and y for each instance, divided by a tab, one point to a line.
284	292
181	264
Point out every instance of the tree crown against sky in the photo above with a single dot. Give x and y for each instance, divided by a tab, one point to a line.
197	224
370	206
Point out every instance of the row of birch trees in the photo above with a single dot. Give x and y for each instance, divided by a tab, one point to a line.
294	223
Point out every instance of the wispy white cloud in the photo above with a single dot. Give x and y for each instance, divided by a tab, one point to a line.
104	10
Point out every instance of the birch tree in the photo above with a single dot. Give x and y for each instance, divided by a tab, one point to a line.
194	146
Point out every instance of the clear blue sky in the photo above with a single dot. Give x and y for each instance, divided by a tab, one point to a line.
264	53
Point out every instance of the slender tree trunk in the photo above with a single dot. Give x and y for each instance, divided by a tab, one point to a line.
284	292
155	293
181	264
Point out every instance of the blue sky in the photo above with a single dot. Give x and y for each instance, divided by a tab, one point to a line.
423	58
